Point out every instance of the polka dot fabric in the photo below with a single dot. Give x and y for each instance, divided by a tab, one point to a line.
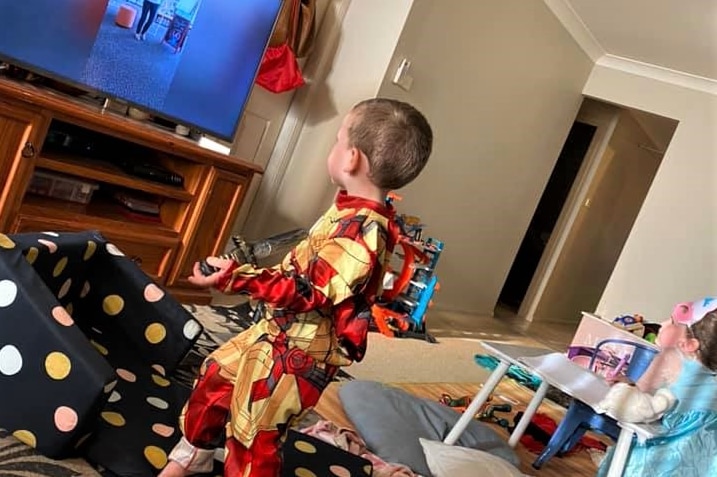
307	456
52	379
107	346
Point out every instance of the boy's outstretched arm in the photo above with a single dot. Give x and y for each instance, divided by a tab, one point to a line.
341	269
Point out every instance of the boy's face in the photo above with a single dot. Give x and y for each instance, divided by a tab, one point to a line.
340	152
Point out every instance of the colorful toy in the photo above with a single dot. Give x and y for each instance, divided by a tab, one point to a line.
408	293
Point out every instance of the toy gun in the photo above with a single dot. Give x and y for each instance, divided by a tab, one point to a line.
251	252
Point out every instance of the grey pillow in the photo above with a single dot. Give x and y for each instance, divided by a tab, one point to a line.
391	421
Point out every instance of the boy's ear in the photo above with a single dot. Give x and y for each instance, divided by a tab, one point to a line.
354	160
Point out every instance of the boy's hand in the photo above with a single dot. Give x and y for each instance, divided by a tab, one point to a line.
205	281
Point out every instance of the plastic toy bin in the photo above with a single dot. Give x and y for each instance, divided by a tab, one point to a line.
63	187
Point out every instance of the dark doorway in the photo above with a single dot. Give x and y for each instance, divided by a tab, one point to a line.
546	215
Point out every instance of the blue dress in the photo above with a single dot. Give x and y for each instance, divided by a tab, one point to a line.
688	447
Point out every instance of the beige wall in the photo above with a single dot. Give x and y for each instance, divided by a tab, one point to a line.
593	244
347	68
671	254
501	84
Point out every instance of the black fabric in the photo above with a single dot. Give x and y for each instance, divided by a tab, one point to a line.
33	344
301	452
126	338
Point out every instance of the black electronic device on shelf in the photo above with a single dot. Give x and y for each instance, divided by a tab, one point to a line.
152	172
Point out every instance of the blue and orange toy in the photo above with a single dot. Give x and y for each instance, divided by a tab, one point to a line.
401	311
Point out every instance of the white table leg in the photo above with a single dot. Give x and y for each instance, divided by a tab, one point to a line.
619	457
528	413
480	398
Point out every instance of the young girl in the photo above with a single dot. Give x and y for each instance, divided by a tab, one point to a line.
687	366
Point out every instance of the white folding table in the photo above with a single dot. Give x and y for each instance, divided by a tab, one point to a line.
554	369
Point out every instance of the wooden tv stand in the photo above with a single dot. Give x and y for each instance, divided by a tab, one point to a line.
195	219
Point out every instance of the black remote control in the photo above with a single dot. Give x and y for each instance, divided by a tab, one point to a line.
207	269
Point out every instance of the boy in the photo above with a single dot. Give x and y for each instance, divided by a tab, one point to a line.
314	308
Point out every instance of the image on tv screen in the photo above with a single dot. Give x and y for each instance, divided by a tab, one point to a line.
191	61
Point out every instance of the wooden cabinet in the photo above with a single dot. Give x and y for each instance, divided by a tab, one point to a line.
193	219
21	130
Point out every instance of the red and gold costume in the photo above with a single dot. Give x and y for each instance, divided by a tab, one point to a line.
314	317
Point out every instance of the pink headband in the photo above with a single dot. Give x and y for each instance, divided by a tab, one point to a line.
690	313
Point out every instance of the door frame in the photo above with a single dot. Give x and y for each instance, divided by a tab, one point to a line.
604	117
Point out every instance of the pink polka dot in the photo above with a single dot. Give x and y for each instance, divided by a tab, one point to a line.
153	293
52	246
163	430
60	314
65	419
159	368
126	375
339	471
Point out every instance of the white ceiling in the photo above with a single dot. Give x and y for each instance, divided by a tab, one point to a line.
677	34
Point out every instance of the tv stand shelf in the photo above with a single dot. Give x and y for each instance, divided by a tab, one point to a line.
109	173
194	219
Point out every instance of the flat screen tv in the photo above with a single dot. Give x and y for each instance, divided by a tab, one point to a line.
190	61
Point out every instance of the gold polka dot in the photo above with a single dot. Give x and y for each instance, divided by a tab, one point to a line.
367	469
113	304
160	381
25	437
302	472
60	267
85	290
31	255
305	447
90	250
155	333
82	440
113	418
65	288
57	365
103	351
69	309
155	456
5	242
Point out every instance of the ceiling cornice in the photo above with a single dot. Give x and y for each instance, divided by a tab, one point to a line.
577	29
575	26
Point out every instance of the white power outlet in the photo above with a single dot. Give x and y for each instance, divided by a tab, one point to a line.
402	78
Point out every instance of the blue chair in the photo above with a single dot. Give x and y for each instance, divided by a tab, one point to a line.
580	417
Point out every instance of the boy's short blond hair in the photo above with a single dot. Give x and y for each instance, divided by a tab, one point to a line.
395	137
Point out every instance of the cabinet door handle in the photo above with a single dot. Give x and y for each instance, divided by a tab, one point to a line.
29	150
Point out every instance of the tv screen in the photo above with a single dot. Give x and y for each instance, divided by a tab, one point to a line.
190	61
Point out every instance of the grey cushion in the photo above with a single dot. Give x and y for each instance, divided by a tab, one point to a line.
391	421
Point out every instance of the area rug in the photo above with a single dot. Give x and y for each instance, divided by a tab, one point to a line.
17	459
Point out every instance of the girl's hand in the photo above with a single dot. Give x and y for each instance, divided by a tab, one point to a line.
620	378
206	281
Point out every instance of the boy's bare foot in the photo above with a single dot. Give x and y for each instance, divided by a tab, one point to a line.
173	469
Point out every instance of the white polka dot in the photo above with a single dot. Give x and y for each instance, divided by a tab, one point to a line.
10	360
51	234
113	250
8	292
158	403
191	329
114	397
110	386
